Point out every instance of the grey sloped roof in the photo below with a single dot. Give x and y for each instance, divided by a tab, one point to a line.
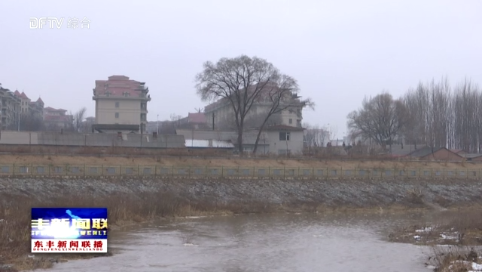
471	155
425	151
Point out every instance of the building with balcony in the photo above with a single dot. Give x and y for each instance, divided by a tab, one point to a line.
120	105
55	119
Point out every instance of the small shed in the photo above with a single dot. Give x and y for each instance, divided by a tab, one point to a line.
436	154
473	157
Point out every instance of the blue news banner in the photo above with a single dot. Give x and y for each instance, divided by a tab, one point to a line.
69	230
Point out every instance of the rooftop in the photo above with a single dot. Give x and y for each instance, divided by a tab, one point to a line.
21	95
118	85
198	117
50	109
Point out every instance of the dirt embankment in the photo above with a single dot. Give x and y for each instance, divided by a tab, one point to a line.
140	199
225	193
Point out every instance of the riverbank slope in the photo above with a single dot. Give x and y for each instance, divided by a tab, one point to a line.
139	199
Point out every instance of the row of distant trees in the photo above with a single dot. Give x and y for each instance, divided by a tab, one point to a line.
433	114
30	122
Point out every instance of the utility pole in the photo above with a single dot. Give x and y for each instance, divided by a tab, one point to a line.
213	120
157	122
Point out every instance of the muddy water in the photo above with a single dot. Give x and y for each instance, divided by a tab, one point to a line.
286	242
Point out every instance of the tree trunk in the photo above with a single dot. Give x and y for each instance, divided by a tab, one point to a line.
259	134
240	140
256	143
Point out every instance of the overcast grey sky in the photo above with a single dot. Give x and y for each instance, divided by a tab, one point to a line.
339	51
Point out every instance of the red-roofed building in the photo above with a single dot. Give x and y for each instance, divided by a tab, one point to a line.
55	119
36	109
193	121
120	105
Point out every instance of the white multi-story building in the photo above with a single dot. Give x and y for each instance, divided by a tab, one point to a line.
282	134
120	105
291	115
10	114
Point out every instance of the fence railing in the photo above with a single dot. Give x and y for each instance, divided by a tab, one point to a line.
234	172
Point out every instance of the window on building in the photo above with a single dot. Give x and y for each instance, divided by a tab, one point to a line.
116	115
291	121
116	104
284	136
298	123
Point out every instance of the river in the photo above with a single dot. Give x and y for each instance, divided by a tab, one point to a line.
279	242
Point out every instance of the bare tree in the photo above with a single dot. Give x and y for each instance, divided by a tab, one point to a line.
175	117
238	82
28	122
467	112
87	125
429	109
315	136
78	119
440	117
380	119
279	97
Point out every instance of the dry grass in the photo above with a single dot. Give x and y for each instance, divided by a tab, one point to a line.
453	258
453	227
122	209
229	161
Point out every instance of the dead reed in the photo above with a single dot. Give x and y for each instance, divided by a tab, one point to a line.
122	209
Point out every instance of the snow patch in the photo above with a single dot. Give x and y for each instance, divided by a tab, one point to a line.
426	229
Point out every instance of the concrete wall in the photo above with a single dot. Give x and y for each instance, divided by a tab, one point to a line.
18	137
98	139
294	145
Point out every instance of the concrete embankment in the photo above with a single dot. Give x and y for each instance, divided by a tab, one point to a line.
223	193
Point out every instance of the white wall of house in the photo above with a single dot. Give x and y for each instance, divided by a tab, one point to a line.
294	144
224	114
291	118
118	111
